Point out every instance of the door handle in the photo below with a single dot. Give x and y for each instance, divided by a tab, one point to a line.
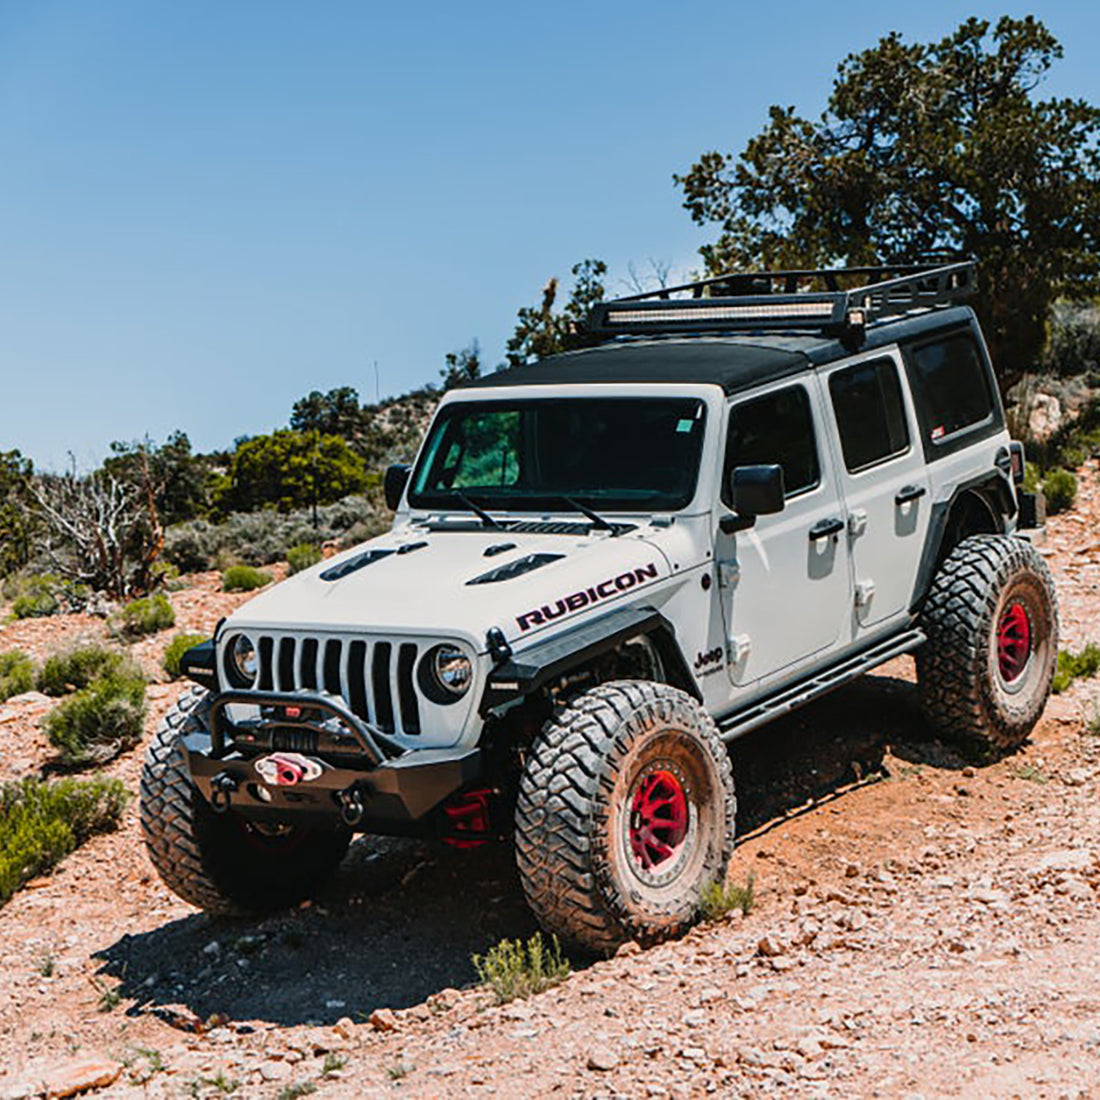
908	493
826	527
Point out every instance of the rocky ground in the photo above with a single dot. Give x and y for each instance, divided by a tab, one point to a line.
925	926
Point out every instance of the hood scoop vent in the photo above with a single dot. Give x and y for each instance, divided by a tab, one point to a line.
515	568
353	565
560	527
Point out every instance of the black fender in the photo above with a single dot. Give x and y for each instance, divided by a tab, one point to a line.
980	505
526	672
199	664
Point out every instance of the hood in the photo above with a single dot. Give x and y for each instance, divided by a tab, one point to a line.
459	583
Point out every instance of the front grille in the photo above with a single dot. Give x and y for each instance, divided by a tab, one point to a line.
376	679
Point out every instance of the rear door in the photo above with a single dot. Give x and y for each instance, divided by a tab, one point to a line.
784	582
884	480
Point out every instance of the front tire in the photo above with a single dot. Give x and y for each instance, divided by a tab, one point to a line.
221	862
625	814
991	617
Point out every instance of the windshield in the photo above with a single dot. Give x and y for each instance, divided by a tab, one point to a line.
611	453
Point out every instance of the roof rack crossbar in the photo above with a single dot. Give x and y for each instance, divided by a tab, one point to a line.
752	300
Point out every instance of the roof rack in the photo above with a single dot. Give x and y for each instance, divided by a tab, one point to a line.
818	300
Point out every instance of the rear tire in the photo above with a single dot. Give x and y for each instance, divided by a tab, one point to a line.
625	814
221	862
991	617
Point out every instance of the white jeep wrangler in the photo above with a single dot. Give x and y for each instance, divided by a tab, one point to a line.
602	567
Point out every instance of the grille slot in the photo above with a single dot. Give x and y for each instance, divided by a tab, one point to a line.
380	681
377	679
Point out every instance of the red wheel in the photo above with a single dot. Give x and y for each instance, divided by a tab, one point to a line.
1013	642
658	820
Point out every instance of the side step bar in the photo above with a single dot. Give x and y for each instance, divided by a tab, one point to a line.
805	691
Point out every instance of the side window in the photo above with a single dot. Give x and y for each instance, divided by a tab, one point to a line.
870	413
776	428
952	385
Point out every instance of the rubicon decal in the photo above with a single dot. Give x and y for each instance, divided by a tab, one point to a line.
588	596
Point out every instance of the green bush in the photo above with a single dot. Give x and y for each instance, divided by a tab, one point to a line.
1060	489
302	557
76	668
719	899
16	673
146	616
100	721
516	969
244	578
42	822
1075	666
260	538
177	647
40	594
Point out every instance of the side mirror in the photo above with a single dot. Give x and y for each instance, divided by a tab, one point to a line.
393	485
755	491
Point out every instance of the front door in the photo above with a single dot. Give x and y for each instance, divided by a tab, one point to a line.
785	583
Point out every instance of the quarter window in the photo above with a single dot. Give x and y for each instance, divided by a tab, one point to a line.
777	429
953	386
870	414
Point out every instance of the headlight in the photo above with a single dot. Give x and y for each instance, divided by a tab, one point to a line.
446	674
244	662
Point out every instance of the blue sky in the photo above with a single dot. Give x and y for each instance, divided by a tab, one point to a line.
209	209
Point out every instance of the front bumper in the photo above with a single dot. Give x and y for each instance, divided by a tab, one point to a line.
362	777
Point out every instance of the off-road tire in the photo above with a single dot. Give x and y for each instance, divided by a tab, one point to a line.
978	684
218	861
576	821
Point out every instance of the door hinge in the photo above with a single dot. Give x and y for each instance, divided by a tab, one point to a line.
728	573
857	522
738	648
865	593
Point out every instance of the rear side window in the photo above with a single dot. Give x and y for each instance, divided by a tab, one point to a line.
952	385
777	428
870	414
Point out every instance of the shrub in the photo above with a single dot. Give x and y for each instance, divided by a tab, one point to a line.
1075	666
74	669
244	578
42	822
1060	489
16	673
100	721
302	557
718	898
145	616
260	538
514	969
177	647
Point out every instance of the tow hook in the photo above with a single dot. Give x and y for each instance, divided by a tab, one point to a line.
351	806
222	788
288	769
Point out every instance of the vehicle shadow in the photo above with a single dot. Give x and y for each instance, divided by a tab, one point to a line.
402	919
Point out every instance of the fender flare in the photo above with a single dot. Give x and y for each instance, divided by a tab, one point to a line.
993	491
529	670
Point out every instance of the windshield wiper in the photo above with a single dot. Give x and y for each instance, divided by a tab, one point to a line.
486	519
597	520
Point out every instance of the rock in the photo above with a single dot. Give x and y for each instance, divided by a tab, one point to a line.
697	1017
851	870
419	1013
769	946
275	1071
782	962
344	1027
77	1077
1069	859
631	947
445	999
1045	417
383	1019
602	1059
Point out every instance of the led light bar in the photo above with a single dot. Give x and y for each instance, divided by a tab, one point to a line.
817	311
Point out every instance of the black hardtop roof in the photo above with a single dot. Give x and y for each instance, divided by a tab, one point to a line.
734	363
